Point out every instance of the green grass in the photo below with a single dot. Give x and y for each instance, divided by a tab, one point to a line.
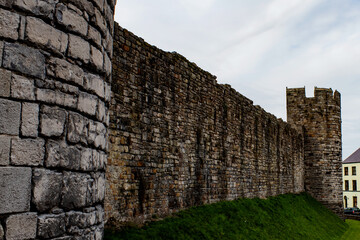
353	232
286	216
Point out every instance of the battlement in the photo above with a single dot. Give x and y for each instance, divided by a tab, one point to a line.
321	94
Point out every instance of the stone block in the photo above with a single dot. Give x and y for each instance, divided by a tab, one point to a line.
21	226
9	117
100	4
47	187
78	219
22	27
60	68
2	234
15	189
79	48
94	83
76	192
101	111
86	163
1	51
29	119
44	8
27	152
9	24
4	150
87	103
107	65
107	93
96	58
85	5
5	81
94	35
38	32
22	87
98	187
77	130
51	226
24	59
59	154
52	121
71	20
99	21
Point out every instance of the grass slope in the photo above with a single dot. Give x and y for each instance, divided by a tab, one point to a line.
286	216
353	232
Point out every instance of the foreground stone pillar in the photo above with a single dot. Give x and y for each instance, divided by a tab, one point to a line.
55	73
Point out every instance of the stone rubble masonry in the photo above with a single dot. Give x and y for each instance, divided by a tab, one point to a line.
320	118
55	83
179	139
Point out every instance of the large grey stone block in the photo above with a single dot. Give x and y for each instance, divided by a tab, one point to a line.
87	103
1	51
15	189
79	48
4	150
9	24
77	130
22	87
62	69
94	83
71	20
76	192
47	186
21	226
1	232
5	80
27	152
38	7
59	154
24	59
9	117
38	32
96	58
51	226
29	119
52	121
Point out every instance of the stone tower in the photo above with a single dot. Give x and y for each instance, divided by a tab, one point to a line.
55	73
320	119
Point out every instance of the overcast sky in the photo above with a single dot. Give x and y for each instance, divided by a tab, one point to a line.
260	47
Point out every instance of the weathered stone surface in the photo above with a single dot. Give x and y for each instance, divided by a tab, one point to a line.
99	21
22	87
52	121
1	50
9	24
24	59
9	117
98	187
51	225
2	234
38	32
59	154
15	189
79	48
29	119
95	84
96	58
38	7
22	27
85	5
4	150
76	191
107	65
100	4
94	35
87	103
80	219
62	69
27	152
86	163
77	130
101	111
5	80
47	189
56	97
21	226
71	19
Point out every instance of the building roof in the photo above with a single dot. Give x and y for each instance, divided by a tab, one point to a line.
353	158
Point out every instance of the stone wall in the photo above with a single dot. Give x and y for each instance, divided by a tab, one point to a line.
180	139
320	118
55	73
